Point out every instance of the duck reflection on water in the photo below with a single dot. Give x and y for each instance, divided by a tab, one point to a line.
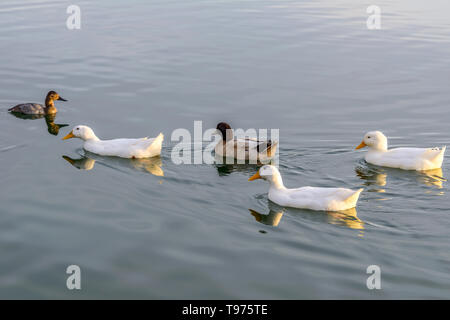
273	218
52	127
226	166
87	162
348	218
378	177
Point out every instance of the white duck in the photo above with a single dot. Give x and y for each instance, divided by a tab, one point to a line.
124	148
321	199
243	149
419	159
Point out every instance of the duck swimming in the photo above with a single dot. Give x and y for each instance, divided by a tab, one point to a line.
419	159
243	149
313	198
35	108
124	148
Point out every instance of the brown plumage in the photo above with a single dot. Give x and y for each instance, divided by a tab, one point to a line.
243	148
36	108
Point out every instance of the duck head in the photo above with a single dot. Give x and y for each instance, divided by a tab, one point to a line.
225	130
81	132
52	96
269	173
375	140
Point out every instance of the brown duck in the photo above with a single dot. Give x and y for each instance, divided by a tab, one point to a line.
36	108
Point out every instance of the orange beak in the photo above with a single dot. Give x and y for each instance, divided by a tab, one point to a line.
70	135
254	177
361	145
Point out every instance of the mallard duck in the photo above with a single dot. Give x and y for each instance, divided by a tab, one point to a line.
243	149
320	199
419	159
124	148
35	108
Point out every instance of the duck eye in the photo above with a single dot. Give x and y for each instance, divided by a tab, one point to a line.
368	137
78	128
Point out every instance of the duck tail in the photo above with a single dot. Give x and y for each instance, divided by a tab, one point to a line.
439	158
436	154
353	198
269	147
154	148
272	148
158	140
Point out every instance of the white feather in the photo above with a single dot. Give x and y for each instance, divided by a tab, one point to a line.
321	199
419	159
124	148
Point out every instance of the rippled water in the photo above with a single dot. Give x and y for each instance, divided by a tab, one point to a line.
153	229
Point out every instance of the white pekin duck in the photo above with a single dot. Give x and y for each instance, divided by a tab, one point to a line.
243	149
313	198
124	148
419	159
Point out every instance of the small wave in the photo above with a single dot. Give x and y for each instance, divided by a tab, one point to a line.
12	147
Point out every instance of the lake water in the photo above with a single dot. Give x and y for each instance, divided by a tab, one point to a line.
153	229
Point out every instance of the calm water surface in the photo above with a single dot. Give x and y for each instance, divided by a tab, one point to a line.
152	229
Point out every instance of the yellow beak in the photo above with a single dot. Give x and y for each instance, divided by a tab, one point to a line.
70	135
254	177
361	145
